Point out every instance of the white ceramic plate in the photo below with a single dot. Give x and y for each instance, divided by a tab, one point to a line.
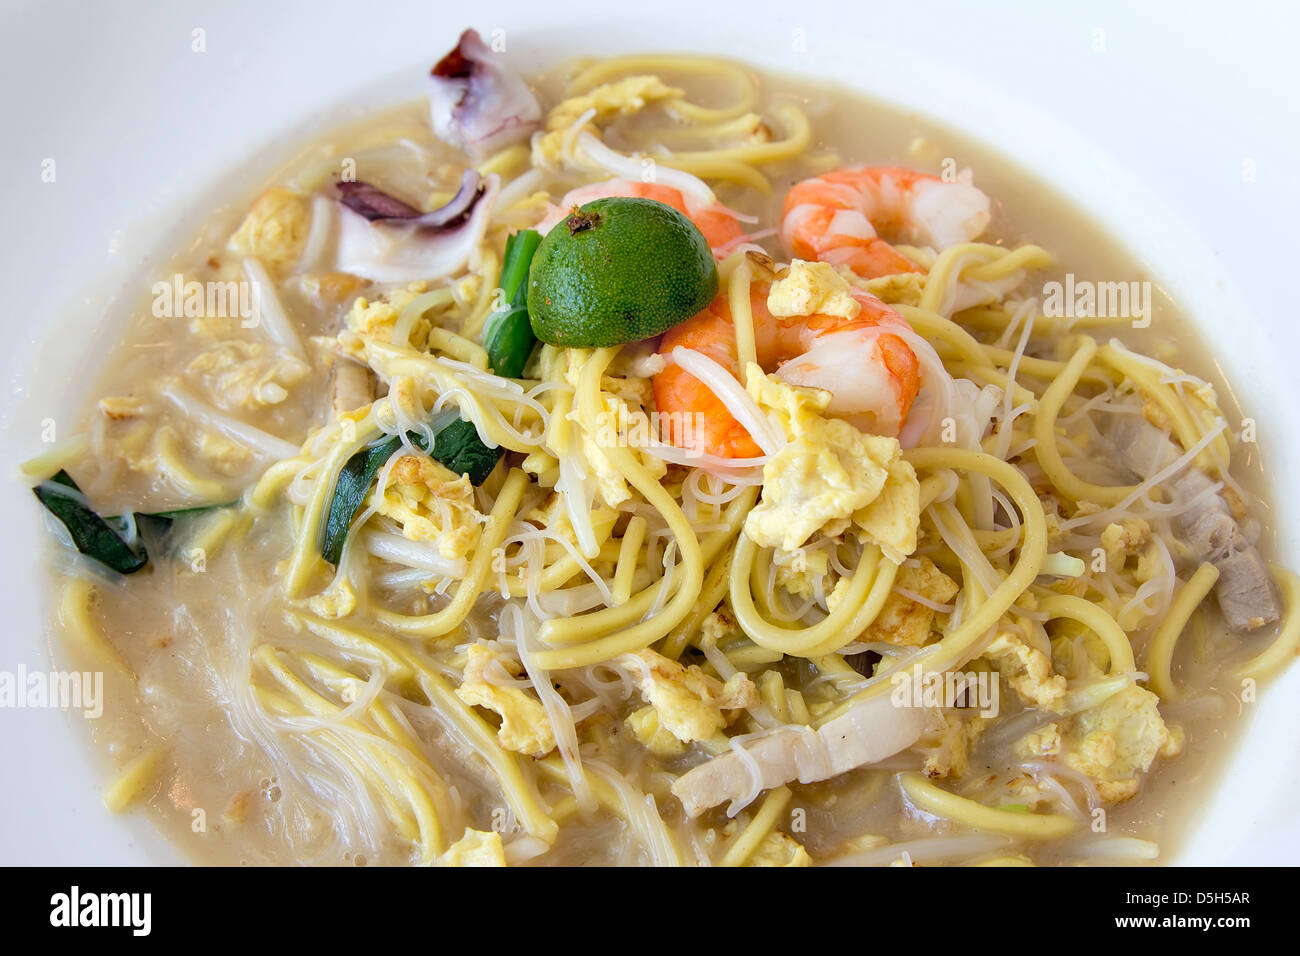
1173	126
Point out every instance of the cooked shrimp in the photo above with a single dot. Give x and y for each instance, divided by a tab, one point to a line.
837	218
715	221
872	374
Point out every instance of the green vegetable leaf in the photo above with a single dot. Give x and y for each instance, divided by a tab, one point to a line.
459	448
508	334
509	341
98	538
106	539
354	482
455	444
170	516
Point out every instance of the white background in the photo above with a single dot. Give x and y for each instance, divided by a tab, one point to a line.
1149	117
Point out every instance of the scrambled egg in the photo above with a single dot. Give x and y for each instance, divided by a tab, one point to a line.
1124	538
1150	564
892	519
136	446
1055	534
431	504
215	328
862	843
799	571
1043	742
689	703
1033	794
1028	671
810	288
248	375
906	622
403	400
718	625
903	288
331	289
223	455
147	446
645	727
1118	739
798	409
1075	586
525	728
475	848
369	321
778	849
275	229
947	752
830	476
625	97
337	600
119	407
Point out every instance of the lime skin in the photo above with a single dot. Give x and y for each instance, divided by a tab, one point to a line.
618	270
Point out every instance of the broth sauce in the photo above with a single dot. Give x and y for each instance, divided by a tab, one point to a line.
187	635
